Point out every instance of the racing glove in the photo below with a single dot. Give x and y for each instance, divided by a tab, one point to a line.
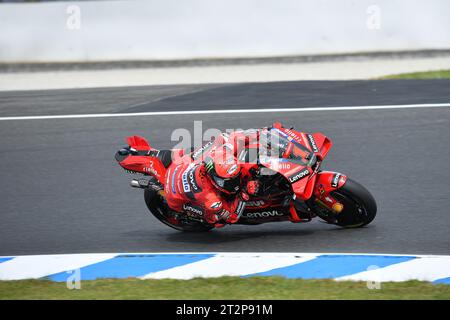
253	187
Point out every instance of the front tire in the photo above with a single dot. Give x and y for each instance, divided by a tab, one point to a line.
360	207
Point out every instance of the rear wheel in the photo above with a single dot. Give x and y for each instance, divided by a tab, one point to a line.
158	207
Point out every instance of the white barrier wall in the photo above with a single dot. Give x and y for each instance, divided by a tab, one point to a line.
186	29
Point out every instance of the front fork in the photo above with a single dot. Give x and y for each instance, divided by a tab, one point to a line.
324	184
327	206
326	201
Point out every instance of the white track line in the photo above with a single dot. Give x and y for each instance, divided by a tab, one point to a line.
223	111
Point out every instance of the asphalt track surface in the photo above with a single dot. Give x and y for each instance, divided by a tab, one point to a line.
61	190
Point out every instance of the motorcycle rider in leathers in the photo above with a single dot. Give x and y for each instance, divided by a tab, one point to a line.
210	188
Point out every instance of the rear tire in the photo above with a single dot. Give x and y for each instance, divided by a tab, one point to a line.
360	207
158	207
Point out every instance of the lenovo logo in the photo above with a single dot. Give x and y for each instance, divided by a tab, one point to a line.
299	175
192	209
335	181
263	214
200	151
312	142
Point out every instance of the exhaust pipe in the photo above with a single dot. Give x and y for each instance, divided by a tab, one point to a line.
141	183
146	184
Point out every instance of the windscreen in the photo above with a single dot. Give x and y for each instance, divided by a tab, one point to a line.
276	144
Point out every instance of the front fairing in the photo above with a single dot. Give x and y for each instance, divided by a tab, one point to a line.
288	153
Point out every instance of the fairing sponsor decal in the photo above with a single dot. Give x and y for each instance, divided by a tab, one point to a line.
335	180
189	182
293	135
173	179
312	143
262	214
190	208
192	181
199	152
299	175
256	203
185	182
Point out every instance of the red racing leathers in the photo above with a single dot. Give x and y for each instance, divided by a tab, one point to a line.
188	189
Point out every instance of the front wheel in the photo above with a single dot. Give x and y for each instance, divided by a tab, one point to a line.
158	207
359	206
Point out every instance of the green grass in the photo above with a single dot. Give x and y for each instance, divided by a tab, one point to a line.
441	74
221	288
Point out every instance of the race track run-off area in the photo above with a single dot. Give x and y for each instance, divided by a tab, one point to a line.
63	193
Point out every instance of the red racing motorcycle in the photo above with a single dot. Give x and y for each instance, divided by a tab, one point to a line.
286	163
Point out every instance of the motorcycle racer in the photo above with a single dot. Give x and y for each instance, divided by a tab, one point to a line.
210	188
270	174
